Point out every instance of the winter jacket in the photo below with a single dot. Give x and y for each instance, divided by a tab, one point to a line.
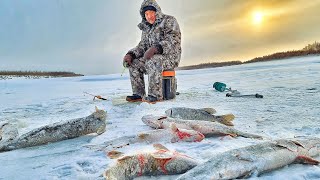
164	34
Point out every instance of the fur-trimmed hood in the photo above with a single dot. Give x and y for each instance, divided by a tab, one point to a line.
159	14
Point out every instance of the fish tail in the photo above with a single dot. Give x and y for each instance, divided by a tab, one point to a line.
225	119
249	135
105	174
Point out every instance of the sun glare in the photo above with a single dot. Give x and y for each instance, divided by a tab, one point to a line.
257	17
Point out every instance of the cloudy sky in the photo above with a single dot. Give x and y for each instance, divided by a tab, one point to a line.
91	37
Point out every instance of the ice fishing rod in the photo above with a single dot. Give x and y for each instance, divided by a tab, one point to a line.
123	70
222	87
244	95
96	96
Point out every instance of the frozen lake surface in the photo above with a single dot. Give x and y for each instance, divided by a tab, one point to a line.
290	107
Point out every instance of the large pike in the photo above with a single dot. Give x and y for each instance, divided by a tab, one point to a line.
172	135
161	162
256	159
94	123
204	114
207	128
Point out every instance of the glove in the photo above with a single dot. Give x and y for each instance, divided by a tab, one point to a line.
150	53
127	60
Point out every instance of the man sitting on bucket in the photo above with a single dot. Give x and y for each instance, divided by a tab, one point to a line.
158	50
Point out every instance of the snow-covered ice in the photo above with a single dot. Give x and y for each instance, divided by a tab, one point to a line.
290	107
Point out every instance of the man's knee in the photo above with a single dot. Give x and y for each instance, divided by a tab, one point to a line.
155	63
167	61
137	63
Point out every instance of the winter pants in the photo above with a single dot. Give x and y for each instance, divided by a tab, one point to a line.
153	68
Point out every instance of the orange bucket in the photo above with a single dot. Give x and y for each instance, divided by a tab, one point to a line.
168	73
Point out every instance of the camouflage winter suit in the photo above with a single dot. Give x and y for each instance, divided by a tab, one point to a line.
165	32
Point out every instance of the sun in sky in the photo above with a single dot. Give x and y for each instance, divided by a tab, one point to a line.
257	17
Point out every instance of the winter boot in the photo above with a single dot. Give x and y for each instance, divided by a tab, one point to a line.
151	99
134	98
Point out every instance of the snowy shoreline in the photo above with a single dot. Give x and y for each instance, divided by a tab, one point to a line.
9	77
224	64
13	77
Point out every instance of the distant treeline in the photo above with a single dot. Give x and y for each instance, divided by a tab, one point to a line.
39	73
209	65
284	55
310	49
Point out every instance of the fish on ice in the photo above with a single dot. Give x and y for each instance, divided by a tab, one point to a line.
204	114
94	123
256	159
172	134
160	162
207	128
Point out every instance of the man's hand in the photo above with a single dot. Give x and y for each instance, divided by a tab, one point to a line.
127	60
150	53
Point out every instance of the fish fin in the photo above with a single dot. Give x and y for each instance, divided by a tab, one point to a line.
160	147
209	110
100	114
298	143
124	158
228	135
161	155
196	127
105	174
114	154
96	108
306	160
173	140
169	112
244	158
159	125
3	124
246	174
101	129
175	131
173	127
143	136
287	144
249	135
